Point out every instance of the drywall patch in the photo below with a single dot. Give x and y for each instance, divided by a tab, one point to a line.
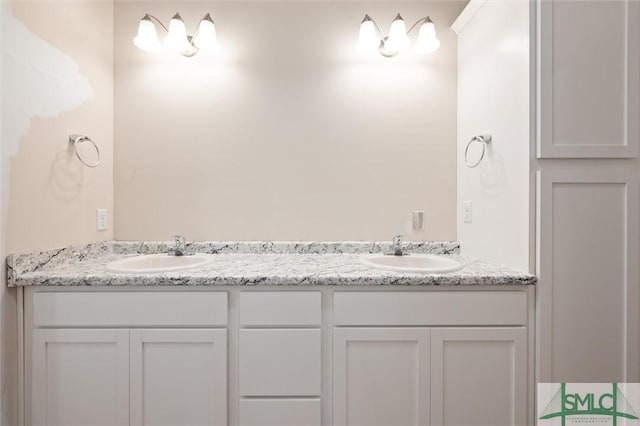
38	80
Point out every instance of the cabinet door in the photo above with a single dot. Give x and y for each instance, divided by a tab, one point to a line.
588	278
588	108
280	362
178	377
381	376
80	377
478	376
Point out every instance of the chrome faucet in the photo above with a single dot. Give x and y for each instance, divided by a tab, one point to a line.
396	246
180	246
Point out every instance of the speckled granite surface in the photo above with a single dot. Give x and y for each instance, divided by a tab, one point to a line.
257	263
287	247
49	259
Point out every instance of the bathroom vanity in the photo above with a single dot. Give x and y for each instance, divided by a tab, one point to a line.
295	343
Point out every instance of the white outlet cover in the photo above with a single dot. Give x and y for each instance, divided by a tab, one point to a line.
418	220
102	217
467	212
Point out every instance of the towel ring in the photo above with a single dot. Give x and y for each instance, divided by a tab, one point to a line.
75	140
484	140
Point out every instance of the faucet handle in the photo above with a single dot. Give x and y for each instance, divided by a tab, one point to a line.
180	245
396	246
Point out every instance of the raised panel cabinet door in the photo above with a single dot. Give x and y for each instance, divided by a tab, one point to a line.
380	376
178	377
80	377
479	376
588	108
588	282
280	362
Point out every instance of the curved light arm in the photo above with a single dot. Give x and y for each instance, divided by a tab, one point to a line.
375	24
377	27
205	17
157	20
419	21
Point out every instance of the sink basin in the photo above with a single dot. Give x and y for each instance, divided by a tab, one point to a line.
421	263
150	263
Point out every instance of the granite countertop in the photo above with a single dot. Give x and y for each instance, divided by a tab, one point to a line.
237	264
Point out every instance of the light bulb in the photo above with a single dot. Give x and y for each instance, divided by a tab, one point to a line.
147	38
398	39
427	40
177	40
368	40
205	38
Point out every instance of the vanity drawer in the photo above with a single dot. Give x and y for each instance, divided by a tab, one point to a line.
130	309
280	308
280	362
425	308
281	412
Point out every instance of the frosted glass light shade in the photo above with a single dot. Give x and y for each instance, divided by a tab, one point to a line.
398	39
176	40
205	39
368	40
427	40
147	37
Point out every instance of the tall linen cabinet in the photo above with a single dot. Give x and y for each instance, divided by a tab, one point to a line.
586	166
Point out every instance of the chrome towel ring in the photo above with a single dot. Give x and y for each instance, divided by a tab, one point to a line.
75	139
484	140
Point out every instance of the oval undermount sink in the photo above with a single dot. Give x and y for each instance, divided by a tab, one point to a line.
150	263
421	263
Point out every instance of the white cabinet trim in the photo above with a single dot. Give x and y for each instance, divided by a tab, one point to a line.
466	15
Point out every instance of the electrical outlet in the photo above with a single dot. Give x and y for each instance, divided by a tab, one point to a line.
101	219
467	212
418	221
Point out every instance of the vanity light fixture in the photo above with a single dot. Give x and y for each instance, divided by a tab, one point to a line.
177	40
372	39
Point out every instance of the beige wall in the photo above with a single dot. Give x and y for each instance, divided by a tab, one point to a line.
288	134
57	77
52	197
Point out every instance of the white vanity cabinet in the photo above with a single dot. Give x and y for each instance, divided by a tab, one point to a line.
286	356
125	366
439	358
